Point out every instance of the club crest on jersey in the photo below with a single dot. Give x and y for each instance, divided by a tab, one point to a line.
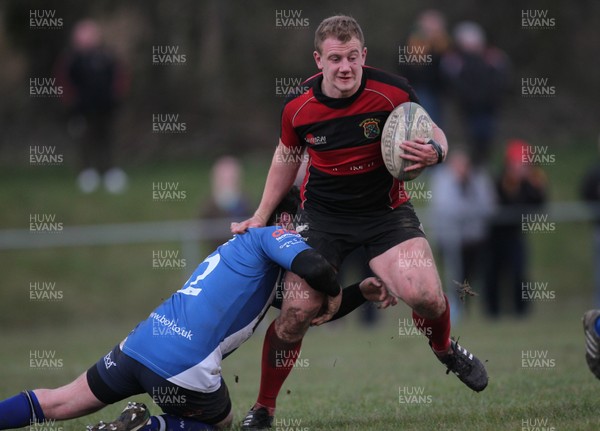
371	127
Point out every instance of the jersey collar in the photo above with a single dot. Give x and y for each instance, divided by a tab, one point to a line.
338	103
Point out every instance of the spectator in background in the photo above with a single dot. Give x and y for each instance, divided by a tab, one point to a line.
521	189
462	202
590	192
428	41
94	82
227	198
478	75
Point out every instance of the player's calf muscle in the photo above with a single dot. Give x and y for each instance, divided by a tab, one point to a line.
66	402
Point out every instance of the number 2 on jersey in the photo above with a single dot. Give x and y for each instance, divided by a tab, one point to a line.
212	261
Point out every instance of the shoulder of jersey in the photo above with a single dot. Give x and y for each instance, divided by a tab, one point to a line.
260	230
272	231
387	78
302	97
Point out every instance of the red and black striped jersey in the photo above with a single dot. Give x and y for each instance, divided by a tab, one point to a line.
345	173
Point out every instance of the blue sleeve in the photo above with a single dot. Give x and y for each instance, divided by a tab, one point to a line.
282	245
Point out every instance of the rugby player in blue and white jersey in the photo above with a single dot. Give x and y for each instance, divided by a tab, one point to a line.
178	349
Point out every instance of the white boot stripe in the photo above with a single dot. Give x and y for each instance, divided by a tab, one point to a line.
591	344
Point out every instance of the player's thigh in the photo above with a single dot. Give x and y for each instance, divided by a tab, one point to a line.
409	272
114	377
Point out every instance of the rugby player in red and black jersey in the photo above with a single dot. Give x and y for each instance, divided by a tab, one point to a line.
350	200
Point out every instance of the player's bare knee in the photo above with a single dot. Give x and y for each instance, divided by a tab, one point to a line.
424	298
291	328
292	323
430	305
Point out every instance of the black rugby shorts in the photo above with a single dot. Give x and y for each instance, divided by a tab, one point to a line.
117	376
337	236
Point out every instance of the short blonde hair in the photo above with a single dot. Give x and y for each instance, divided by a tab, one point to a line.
341	27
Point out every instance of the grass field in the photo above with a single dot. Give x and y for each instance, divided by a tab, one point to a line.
357	385
352	377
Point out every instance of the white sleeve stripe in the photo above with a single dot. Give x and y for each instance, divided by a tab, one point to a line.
382	95
300	108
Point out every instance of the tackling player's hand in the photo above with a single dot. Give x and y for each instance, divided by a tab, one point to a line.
419	152
374	290
241	227
331	306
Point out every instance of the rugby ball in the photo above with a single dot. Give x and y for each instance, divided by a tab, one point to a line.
405	123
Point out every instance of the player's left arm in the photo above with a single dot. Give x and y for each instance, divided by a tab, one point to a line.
290	251
318	273
426	152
